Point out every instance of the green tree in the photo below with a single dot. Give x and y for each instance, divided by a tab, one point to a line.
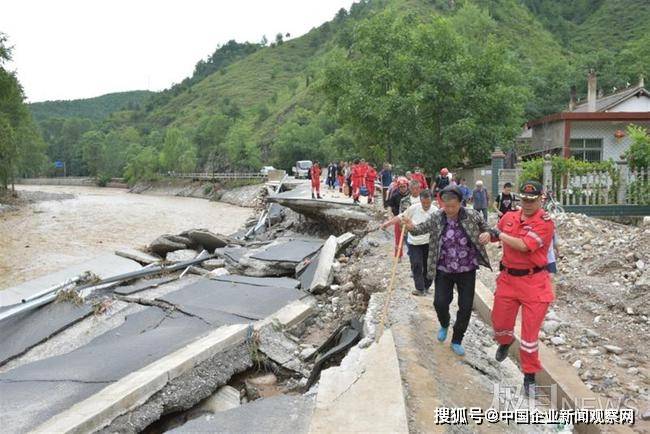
178	154
420	93
243	152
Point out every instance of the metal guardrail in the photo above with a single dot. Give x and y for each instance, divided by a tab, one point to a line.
217	175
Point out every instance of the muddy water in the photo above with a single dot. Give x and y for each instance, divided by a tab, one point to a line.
46	236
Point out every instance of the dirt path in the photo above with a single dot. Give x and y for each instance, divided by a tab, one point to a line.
46	236
433	376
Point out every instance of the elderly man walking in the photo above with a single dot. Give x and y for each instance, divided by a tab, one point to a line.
418	245
457	238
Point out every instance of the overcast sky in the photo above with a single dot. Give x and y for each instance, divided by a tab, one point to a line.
68	49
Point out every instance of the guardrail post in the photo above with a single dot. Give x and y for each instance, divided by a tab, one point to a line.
623	175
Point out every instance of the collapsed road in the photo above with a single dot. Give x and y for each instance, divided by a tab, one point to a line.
258	336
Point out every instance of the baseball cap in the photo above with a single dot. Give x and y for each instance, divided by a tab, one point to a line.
531	190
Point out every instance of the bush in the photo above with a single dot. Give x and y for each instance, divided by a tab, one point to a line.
639	153
103	179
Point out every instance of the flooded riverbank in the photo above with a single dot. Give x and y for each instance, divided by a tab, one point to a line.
46	236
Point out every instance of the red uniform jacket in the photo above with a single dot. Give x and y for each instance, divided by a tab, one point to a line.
315	175
536	234
358	175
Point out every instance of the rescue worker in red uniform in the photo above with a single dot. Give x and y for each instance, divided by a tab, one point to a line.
315	173
358	179
371	176
419	177
524	281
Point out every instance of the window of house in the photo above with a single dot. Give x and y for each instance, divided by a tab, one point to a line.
587	149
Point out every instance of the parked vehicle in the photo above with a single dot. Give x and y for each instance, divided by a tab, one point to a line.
301	169
266	169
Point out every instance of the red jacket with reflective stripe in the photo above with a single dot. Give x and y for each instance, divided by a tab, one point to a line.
536	234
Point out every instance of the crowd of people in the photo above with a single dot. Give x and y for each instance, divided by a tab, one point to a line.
446	229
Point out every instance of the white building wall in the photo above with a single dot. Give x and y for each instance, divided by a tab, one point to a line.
634	104
612	148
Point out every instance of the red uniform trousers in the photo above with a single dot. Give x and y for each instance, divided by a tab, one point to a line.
533	294
370	185
315	185
341	180
357	182
398	234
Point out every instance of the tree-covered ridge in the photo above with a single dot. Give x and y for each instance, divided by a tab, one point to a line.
95	109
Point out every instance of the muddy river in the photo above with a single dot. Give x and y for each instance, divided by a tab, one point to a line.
46	236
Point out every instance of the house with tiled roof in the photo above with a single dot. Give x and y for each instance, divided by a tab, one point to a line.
594	130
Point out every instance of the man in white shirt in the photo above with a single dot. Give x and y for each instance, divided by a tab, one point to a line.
418	245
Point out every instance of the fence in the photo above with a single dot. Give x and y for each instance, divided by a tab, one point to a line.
620	192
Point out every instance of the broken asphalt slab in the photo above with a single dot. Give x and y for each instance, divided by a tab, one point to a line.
144	337
276	282
245	300
289	251
323	272
103	266
20	333
278	258
278	414
143	284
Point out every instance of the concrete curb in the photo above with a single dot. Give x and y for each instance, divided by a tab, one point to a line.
570	389
364	394
130	392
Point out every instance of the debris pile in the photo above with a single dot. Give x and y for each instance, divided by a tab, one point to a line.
600	320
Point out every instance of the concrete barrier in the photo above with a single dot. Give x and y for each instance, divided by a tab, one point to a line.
571	391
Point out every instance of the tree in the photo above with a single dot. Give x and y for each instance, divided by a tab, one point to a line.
178	153
264	42
243	152
21	149
279	39
420	93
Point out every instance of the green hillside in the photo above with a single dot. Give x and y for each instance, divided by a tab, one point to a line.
250	103
95	109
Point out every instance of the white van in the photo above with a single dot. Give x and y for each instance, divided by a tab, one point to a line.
301	169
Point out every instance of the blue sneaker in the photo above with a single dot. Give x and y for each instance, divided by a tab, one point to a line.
458	349
442	334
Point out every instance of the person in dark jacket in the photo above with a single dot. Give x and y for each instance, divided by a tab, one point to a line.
456	249
386	177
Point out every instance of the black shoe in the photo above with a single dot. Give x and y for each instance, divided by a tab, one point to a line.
502	352
312	196
417	293
529	384
318	197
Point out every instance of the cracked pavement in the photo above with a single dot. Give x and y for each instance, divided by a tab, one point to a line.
32	393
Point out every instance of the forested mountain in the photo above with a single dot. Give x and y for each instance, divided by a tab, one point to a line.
430	81
95	109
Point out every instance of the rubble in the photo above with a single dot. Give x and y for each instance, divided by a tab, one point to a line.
138	256
164	244
602	304
212	264
181	255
